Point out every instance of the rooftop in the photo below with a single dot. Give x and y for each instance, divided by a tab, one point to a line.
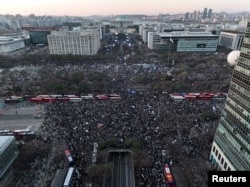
185	34
5	141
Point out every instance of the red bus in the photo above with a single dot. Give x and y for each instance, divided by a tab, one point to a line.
190	97
168	174
205	96
101	97
49	99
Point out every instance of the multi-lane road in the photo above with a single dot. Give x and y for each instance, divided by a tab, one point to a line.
123	169
20	118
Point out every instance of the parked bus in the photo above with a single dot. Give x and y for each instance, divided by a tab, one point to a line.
87	97
177	98
101	97
68	177
49	99
190	97
168	174
205	96
14	100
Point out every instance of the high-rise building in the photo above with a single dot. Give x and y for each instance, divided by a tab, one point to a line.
196	15
204	13
231	145
187	16
209	15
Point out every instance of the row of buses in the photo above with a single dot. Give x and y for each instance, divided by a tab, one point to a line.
198	96
21	132
72	98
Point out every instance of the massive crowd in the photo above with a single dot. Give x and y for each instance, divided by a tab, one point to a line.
184	129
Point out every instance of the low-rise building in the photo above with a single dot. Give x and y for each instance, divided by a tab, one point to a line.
10	44
184	41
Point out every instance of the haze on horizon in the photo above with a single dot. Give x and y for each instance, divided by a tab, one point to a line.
118	7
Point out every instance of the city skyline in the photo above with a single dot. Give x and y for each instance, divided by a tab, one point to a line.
117	7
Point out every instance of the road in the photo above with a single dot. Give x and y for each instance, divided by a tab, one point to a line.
123	171
20	118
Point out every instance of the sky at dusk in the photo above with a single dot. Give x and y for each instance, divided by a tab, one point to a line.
116	7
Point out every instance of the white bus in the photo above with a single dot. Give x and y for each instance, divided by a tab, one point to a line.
177	97
68	177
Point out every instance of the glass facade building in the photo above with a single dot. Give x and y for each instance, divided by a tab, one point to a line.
39	37
197	44
231	145
8	153
186	41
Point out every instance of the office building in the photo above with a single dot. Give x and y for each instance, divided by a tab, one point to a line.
8	153
38	35
209	15
196	15
231	145
153	39
10	44
231	39
204	13
184	41
145	33
84	42
121	25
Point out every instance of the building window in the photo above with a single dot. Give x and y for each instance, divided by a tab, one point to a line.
222	161
216	152
213	148
219	157
225	165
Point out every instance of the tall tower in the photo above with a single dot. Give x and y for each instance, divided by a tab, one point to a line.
231	145
210	14
204	13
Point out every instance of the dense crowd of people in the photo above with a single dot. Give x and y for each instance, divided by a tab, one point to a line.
184	129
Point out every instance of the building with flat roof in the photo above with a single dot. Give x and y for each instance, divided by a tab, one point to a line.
153	39
185	41
231	39
38	35
231	145
8	153
121	25
83	42
10	44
